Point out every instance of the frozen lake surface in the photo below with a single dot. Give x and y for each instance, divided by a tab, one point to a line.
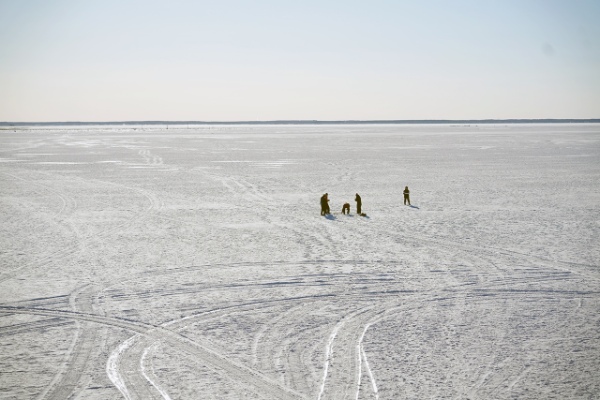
192	262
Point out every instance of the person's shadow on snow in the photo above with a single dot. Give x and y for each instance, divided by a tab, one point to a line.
330	217
414	207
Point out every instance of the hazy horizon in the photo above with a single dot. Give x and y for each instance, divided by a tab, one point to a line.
267	61
315	122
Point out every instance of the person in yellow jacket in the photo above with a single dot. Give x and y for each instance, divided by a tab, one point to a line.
406	195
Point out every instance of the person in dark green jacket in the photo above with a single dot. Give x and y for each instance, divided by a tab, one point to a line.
325	204
358	201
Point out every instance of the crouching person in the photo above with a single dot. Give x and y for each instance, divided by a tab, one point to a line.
346	208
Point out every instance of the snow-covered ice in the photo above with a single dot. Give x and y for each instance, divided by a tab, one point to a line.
192	262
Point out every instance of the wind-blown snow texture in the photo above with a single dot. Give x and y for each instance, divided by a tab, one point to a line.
160	263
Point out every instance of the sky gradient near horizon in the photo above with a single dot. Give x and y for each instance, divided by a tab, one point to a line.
66	60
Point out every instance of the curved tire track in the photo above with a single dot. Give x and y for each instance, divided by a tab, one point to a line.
236	371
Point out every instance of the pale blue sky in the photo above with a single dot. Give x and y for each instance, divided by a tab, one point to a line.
328	60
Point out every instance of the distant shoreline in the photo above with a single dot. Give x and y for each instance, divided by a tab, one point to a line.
317	122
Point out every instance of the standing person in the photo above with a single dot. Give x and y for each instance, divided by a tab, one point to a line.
324	205
358	201
406	195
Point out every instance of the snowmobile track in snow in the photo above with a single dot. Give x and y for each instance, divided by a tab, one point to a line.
236	372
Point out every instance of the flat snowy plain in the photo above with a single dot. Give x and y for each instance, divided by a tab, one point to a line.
188	262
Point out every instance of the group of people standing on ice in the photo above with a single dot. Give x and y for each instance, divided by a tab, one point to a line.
346	207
